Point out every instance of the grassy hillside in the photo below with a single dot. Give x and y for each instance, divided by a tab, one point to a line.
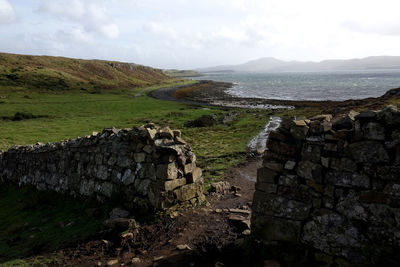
66	74
181	73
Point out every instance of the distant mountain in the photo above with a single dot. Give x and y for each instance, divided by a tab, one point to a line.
270	64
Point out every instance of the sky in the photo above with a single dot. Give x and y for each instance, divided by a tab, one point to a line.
190	34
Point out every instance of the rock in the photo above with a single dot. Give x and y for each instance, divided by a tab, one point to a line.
280	148
311	152
374	131
136	262
289	180
390	115
189	191
368	152
272	228
289	165
272	165
167	171
203	121
148	149
183	247
347	179
220	187
240	211
246	232
276	205
128	236
367	115
265	175
331	227
119	213
194	176
344	122
240	222
218	210
309	170
299	129
343	164
266	187
165	132
172	184
158	258
120	224
112	262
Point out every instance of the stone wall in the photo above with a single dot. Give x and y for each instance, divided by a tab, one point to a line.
149	167
333	185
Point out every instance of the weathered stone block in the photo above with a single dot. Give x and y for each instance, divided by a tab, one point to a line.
172	184
343	164
281	148
265	175
275	229
289	180
328	228
298	130
267	188
374	131
167	171
369	152
140	157
277	136
222	187
269	155
347	179
311	152
195	176
272	165
309	170
275	205
148	149
289	165
188	192
331	147
392	189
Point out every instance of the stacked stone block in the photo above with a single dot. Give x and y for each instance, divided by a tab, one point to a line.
333	184
149	167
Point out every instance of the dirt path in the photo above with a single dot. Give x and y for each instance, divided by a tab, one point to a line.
202	236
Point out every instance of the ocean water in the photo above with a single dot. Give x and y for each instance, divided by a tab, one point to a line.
310	86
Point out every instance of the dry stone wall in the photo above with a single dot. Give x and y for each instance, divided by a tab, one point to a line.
333	185
149	167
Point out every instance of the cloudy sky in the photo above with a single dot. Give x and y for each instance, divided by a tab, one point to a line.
193	33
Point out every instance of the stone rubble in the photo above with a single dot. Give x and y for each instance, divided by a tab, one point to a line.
333	185
146	168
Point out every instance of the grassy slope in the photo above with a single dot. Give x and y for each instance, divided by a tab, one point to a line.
74	111
181	73
58	73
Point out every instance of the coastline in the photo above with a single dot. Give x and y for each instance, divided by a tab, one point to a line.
212	93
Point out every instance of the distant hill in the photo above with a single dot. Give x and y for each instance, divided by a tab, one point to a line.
181	73
270	64
59	73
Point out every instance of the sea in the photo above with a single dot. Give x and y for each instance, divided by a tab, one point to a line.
341	85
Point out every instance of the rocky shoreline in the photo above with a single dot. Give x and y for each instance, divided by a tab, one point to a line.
215	94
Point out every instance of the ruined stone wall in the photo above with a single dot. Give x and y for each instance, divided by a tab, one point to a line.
148	167
333	185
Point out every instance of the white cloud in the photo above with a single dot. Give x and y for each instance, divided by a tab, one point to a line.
90	15
7	14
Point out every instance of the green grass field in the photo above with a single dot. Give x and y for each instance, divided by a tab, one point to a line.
24	230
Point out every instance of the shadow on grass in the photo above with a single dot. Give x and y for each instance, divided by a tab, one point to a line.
33	222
